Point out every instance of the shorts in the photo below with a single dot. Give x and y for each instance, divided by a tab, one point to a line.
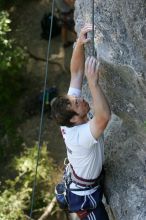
87	207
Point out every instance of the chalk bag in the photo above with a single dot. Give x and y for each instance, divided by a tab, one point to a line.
60	192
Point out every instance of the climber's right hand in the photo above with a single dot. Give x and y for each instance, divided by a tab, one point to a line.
83	38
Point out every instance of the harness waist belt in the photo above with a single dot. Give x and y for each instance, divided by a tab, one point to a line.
85	182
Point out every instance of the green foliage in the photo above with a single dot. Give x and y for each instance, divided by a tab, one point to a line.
11	63
15	199
11	79
11	57
2	3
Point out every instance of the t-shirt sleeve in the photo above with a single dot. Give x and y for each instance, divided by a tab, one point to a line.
74	92
85	137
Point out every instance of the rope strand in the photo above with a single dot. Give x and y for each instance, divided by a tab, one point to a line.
42	112
93	32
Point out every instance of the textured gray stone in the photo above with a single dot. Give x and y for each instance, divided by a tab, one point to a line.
122	25
120	41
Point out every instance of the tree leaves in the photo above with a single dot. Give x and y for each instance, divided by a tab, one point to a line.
15	199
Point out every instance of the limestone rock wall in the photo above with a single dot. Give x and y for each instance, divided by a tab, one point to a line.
120	42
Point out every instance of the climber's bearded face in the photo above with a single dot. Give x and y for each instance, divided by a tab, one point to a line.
79	105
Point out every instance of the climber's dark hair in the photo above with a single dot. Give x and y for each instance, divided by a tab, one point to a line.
61	112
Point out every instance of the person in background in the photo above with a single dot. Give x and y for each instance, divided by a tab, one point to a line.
66	9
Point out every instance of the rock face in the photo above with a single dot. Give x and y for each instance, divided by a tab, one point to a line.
120	42
122	29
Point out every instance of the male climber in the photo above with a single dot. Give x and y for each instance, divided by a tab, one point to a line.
83	134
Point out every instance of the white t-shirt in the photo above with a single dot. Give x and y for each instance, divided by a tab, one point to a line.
84	152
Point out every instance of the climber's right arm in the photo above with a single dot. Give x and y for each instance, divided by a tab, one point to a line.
78	58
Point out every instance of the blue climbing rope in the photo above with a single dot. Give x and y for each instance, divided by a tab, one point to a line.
42	112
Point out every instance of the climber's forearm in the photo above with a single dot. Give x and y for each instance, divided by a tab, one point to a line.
77	61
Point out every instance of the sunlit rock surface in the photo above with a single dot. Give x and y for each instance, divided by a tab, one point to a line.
120	41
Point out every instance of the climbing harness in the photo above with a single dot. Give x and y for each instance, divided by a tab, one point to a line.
89	183
69	201
42	114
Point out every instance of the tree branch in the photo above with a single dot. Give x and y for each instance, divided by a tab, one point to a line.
48	209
